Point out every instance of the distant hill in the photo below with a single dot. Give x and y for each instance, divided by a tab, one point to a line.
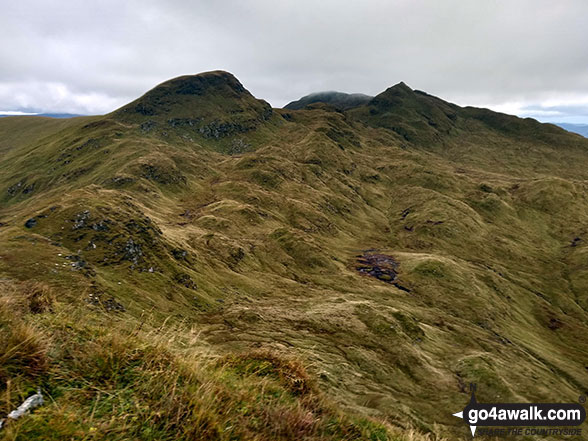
339	100
48	115
581	129
60	115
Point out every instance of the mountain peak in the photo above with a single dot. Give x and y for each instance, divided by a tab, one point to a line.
202	83
400	90
401	86
338	100
205	101
186	93
414	115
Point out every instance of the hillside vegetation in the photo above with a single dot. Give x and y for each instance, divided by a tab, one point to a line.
198	265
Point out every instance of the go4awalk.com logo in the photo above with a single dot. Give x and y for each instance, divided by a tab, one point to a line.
502	419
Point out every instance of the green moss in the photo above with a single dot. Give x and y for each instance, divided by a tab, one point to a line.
431	269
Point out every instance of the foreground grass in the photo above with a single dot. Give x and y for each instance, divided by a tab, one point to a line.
110	378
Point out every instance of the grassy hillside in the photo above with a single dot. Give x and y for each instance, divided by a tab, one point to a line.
251	267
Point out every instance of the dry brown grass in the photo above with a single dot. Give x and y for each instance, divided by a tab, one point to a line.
24	349
118	380
289	371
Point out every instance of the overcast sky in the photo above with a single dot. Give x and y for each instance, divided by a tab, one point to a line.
526	57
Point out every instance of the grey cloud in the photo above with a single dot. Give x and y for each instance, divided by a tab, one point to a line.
102	54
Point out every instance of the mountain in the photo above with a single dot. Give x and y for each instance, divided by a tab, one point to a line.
50	115
199	99
198	265
338	100
60	115
411	114
581	129
214	105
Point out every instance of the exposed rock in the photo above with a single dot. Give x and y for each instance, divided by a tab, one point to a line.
179	253
238	146
101	225
184	122
162	174
31	222
219	129
29	404
77	261
132	251
144	109
110	304
185	280
147	126
80	219
13	189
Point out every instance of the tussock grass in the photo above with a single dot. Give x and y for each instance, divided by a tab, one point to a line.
24	358
117	380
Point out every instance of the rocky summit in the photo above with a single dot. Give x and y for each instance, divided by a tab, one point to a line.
200	265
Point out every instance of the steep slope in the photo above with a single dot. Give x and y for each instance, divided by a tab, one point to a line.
413	115
207	95
213	105
401	249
